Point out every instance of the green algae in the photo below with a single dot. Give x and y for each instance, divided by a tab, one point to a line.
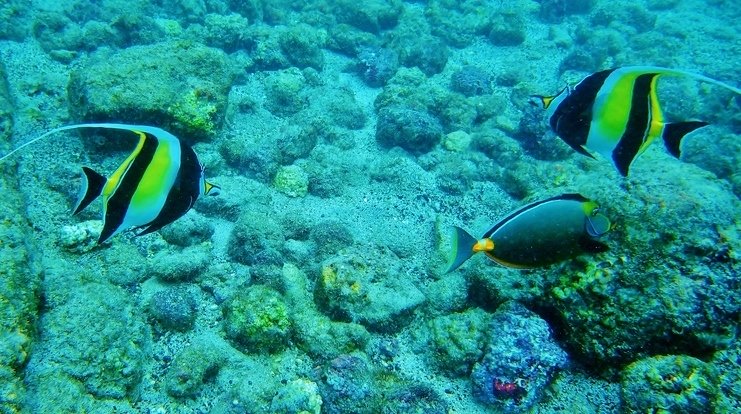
257	319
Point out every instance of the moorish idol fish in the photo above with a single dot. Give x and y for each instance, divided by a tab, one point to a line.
539	234
616	113
157	184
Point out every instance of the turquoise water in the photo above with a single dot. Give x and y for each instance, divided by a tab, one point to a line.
348	138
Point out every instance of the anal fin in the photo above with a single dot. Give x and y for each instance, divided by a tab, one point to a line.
91	187
675	131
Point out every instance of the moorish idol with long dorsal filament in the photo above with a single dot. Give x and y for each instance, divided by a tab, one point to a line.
616	113
157	184
539	234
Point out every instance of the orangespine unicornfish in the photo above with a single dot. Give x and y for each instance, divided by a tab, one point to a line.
616	113
157	184
539	234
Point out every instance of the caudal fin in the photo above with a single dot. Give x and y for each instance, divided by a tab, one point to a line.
462	248
91	188
675	131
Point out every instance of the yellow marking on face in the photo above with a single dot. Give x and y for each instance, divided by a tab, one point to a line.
483	245
547	100
589	207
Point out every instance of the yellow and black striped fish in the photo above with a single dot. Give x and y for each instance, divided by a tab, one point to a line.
616	113
157	184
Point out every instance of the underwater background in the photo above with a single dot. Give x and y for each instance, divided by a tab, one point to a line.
348	137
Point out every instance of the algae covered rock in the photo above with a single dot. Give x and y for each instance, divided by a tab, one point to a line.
459	22
300	396
507	29
95	339
414	130
285	92
302	46
255	239
188	230
376	65
669	284
520	360
669	384
348	385
471	81
313	331
19	289
192	368
370	16
6	107
457	341
179	86
171	266
292	181
365	287
174	308
726	364
257	319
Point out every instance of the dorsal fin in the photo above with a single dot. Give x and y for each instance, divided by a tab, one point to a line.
156	132
679	72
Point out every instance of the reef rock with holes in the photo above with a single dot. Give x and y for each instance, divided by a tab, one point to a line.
520	360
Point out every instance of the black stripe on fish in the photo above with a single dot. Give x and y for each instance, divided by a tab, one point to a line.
183	193
573	116
639	123
118	203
